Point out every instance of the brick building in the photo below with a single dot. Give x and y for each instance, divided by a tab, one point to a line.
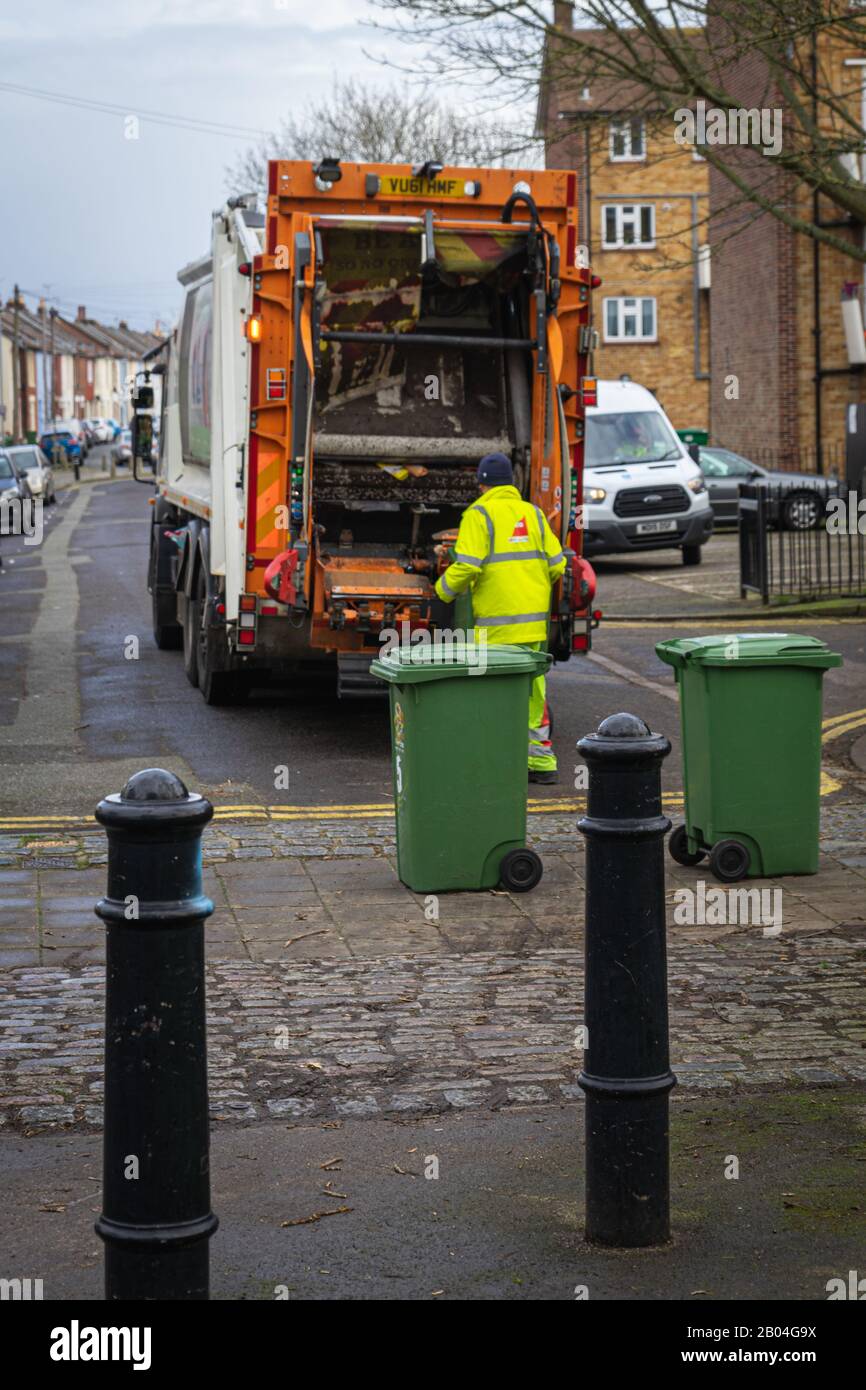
781	375
644	204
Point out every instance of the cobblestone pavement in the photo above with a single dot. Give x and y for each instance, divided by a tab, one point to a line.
334	991
399	1035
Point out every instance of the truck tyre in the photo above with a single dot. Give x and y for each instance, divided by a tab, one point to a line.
217	685
692	555
167	632
191	638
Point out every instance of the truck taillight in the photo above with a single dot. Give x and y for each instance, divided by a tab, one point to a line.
589	390
247	603
254	328
247	637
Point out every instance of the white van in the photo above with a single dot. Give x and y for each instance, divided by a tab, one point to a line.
641	488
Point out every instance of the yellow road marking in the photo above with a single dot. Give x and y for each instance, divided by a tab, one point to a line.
842	729
729	624
842	718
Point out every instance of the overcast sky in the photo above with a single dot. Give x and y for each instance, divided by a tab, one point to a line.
106	221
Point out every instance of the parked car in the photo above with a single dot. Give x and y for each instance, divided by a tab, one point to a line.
13	486
113	429
89	434
101	430
61	446
29	459
798	501
642	490
76	428
121	450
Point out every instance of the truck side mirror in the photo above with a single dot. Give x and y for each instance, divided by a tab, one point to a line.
141	430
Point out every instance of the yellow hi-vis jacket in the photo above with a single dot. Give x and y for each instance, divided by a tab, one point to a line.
507	551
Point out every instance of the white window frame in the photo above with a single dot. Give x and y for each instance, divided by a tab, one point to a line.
638	301
625	127
635	210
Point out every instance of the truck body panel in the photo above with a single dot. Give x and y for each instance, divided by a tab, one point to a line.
341	365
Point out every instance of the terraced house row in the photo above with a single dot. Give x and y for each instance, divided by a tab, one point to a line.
53	368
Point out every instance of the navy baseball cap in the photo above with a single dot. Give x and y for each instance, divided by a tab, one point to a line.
495	470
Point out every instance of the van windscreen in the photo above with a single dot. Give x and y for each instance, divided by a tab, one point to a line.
629	436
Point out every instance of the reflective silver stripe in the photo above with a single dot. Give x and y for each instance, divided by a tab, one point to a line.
556	559
498	556
512	619
473	560
487	518
541	519
447	587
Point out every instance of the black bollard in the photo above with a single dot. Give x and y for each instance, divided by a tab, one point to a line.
626	1067
156	1215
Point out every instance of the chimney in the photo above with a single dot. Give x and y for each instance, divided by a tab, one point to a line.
123	324
563	14
82	314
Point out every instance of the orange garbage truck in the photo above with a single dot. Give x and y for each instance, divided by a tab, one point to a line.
343	360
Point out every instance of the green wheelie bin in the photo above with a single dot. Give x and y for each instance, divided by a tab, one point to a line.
459	735
750	711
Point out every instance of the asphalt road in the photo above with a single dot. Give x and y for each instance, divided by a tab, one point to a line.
77	716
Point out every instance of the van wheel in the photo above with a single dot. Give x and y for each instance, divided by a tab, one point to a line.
692	555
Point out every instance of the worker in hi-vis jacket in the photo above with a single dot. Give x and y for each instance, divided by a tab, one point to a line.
506	551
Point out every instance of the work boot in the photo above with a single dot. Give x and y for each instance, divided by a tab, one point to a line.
547	778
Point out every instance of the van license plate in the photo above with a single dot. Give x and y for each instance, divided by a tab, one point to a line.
651	528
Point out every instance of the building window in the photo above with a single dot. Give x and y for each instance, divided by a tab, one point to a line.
628	224
89	373
629	320
627	139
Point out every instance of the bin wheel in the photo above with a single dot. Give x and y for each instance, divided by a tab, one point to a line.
520	870
678	848
729	860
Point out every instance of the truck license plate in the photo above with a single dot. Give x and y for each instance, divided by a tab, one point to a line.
650	528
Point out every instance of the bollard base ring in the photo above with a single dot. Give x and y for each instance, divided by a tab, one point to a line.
625	1087
176	1234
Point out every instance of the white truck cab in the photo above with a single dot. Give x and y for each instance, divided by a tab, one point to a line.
641	488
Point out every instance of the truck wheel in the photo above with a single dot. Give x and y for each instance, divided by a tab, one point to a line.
520	870
217	685
167	631
678	848
729	860
692	555
191	638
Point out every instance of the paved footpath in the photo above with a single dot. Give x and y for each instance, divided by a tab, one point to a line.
333	994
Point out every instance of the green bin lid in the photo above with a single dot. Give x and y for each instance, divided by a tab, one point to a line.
749	648
436	661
